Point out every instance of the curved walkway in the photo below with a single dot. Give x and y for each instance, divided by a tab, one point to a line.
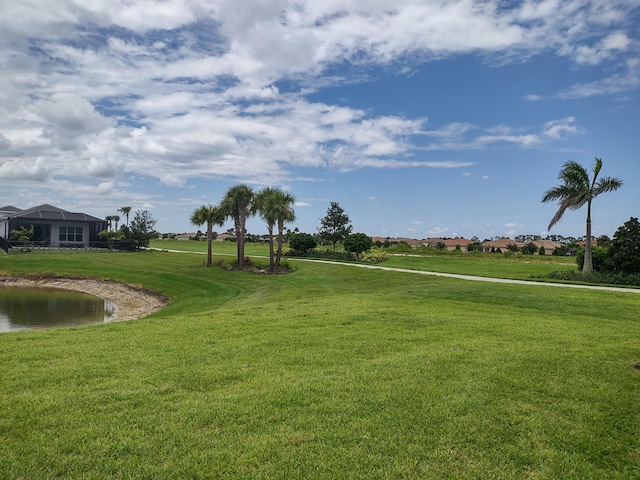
440	274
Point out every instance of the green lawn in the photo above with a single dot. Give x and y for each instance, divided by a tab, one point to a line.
328	372
527	267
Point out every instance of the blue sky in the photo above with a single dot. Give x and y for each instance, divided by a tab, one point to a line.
421	118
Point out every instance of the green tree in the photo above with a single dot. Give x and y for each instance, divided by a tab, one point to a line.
301	243
475	245
577	190
211	215
125	211
357	243
604	241
512	247
238	204
110	236
285	213
276	208
23	234
625	247
335	226
116	219
109	218
141	229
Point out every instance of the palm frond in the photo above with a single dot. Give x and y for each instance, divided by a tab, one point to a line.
556	218
607	184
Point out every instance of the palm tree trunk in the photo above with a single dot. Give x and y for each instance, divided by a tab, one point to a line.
271	264
587	267
280	242
209	241
240	242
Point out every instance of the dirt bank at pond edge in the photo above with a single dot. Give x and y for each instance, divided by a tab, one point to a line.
130	302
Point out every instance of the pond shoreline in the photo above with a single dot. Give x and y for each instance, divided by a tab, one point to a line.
130	301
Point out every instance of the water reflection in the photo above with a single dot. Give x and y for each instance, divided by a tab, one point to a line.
31	308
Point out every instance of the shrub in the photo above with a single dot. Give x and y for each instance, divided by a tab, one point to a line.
301	243
357	243
600	257
375	255
625	248
608	278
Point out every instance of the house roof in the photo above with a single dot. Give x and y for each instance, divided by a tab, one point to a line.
449	242
9	208
501	243
547	244
49	212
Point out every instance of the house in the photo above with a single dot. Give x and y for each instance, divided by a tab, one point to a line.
221	237
549	246
449	244
53	226
502	244
186	236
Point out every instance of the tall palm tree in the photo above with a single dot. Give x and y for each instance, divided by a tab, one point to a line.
125	211
577	190
275	207
238	204
115	218
109	218
211	215
284	213
264	205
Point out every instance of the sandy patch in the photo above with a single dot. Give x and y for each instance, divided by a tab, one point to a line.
130	301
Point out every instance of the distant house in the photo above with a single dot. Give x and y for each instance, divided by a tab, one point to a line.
450	244
186	236
52	226
412	242
549	246
221	237
502	244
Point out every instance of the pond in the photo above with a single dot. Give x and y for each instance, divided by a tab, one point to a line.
33	308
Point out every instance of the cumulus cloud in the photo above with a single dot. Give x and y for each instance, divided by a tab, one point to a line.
32	170
183	89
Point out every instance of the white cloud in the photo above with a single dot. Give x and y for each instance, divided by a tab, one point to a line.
603	50
556	129
452	131
182	89
36	170
437	231
514	224
625	80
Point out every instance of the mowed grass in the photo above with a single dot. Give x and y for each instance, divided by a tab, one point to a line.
520	267
328	372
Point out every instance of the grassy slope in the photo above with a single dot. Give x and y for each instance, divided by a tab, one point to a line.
329	372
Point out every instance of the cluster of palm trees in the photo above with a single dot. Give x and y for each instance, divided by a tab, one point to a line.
240	202
116	218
